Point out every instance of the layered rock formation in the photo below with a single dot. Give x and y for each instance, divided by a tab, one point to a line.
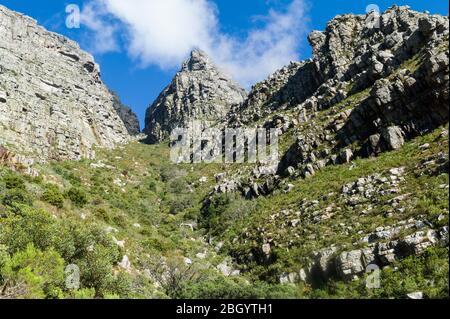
127	115
199	91
53	104
384	83
284	89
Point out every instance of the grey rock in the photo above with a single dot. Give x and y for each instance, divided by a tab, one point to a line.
324	261
199	91
346	156
287	87
393	137
53	107
349	264
125	113
415	295
3	97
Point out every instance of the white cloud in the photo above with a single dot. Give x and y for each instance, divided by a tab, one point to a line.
93	16
163	32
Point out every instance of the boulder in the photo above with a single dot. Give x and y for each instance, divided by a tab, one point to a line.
394	137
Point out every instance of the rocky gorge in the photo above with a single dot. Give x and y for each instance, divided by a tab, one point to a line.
362	181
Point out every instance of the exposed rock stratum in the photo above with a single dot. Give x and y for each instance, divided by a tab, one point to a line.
53	104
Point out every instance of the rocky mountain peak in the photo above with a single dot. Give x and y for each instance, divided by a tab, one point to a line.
199	91
198	61
126	114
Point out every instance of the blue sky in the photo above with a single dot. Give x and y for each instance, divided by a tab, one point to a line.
137	73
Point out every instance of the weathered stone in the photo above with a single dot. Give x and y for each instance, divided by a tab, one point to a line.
393	136
128	117
125	264
54	109
415	295
199	91
346	156
3	97
324	261
349	264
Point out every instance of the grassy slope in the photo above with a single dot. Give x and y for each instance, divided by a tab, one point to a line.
140	186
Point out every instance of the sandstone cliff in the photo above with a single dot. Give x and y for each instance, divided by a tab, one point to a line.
199	91
53	104
127	115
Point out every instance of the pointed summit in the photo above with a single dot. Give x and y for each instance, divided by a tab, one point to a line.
199	91
198	61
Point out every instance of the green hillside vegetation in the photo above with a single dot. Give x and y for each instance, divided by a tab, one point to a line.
80	212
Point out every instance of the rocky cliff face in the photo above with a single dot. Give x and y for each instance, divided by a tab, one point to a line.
53	104
199	91
355	53
373	84
384	83
127	115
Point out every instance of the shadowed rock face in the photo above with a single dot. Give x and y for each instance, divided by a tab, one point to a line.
127	115
354	53
53	104
199	91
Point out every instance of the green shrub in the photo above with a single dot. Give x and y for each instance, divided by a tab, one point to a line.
222	211
16	196
14	181
77	196
221	287
96	269
179	204
53	196
26	225
41	274
86	293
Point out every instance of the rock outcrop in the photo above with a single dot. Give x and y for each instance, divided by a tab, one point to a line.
199	91
127	115
284	89
383	84
53	104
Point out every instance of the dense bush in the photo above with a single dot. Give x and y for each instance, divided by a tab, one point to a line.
53	196
221	287
14	181
77	196
39	274
16	196
179	204
28	233
221	211
25	225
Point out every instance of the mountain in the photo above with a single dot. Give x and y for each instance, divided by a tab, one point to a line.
199	91
53	104
127	115
357	207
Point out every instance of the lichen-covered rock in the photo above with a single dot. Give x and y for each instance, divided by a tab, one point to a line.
199	91
53	104
392	80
